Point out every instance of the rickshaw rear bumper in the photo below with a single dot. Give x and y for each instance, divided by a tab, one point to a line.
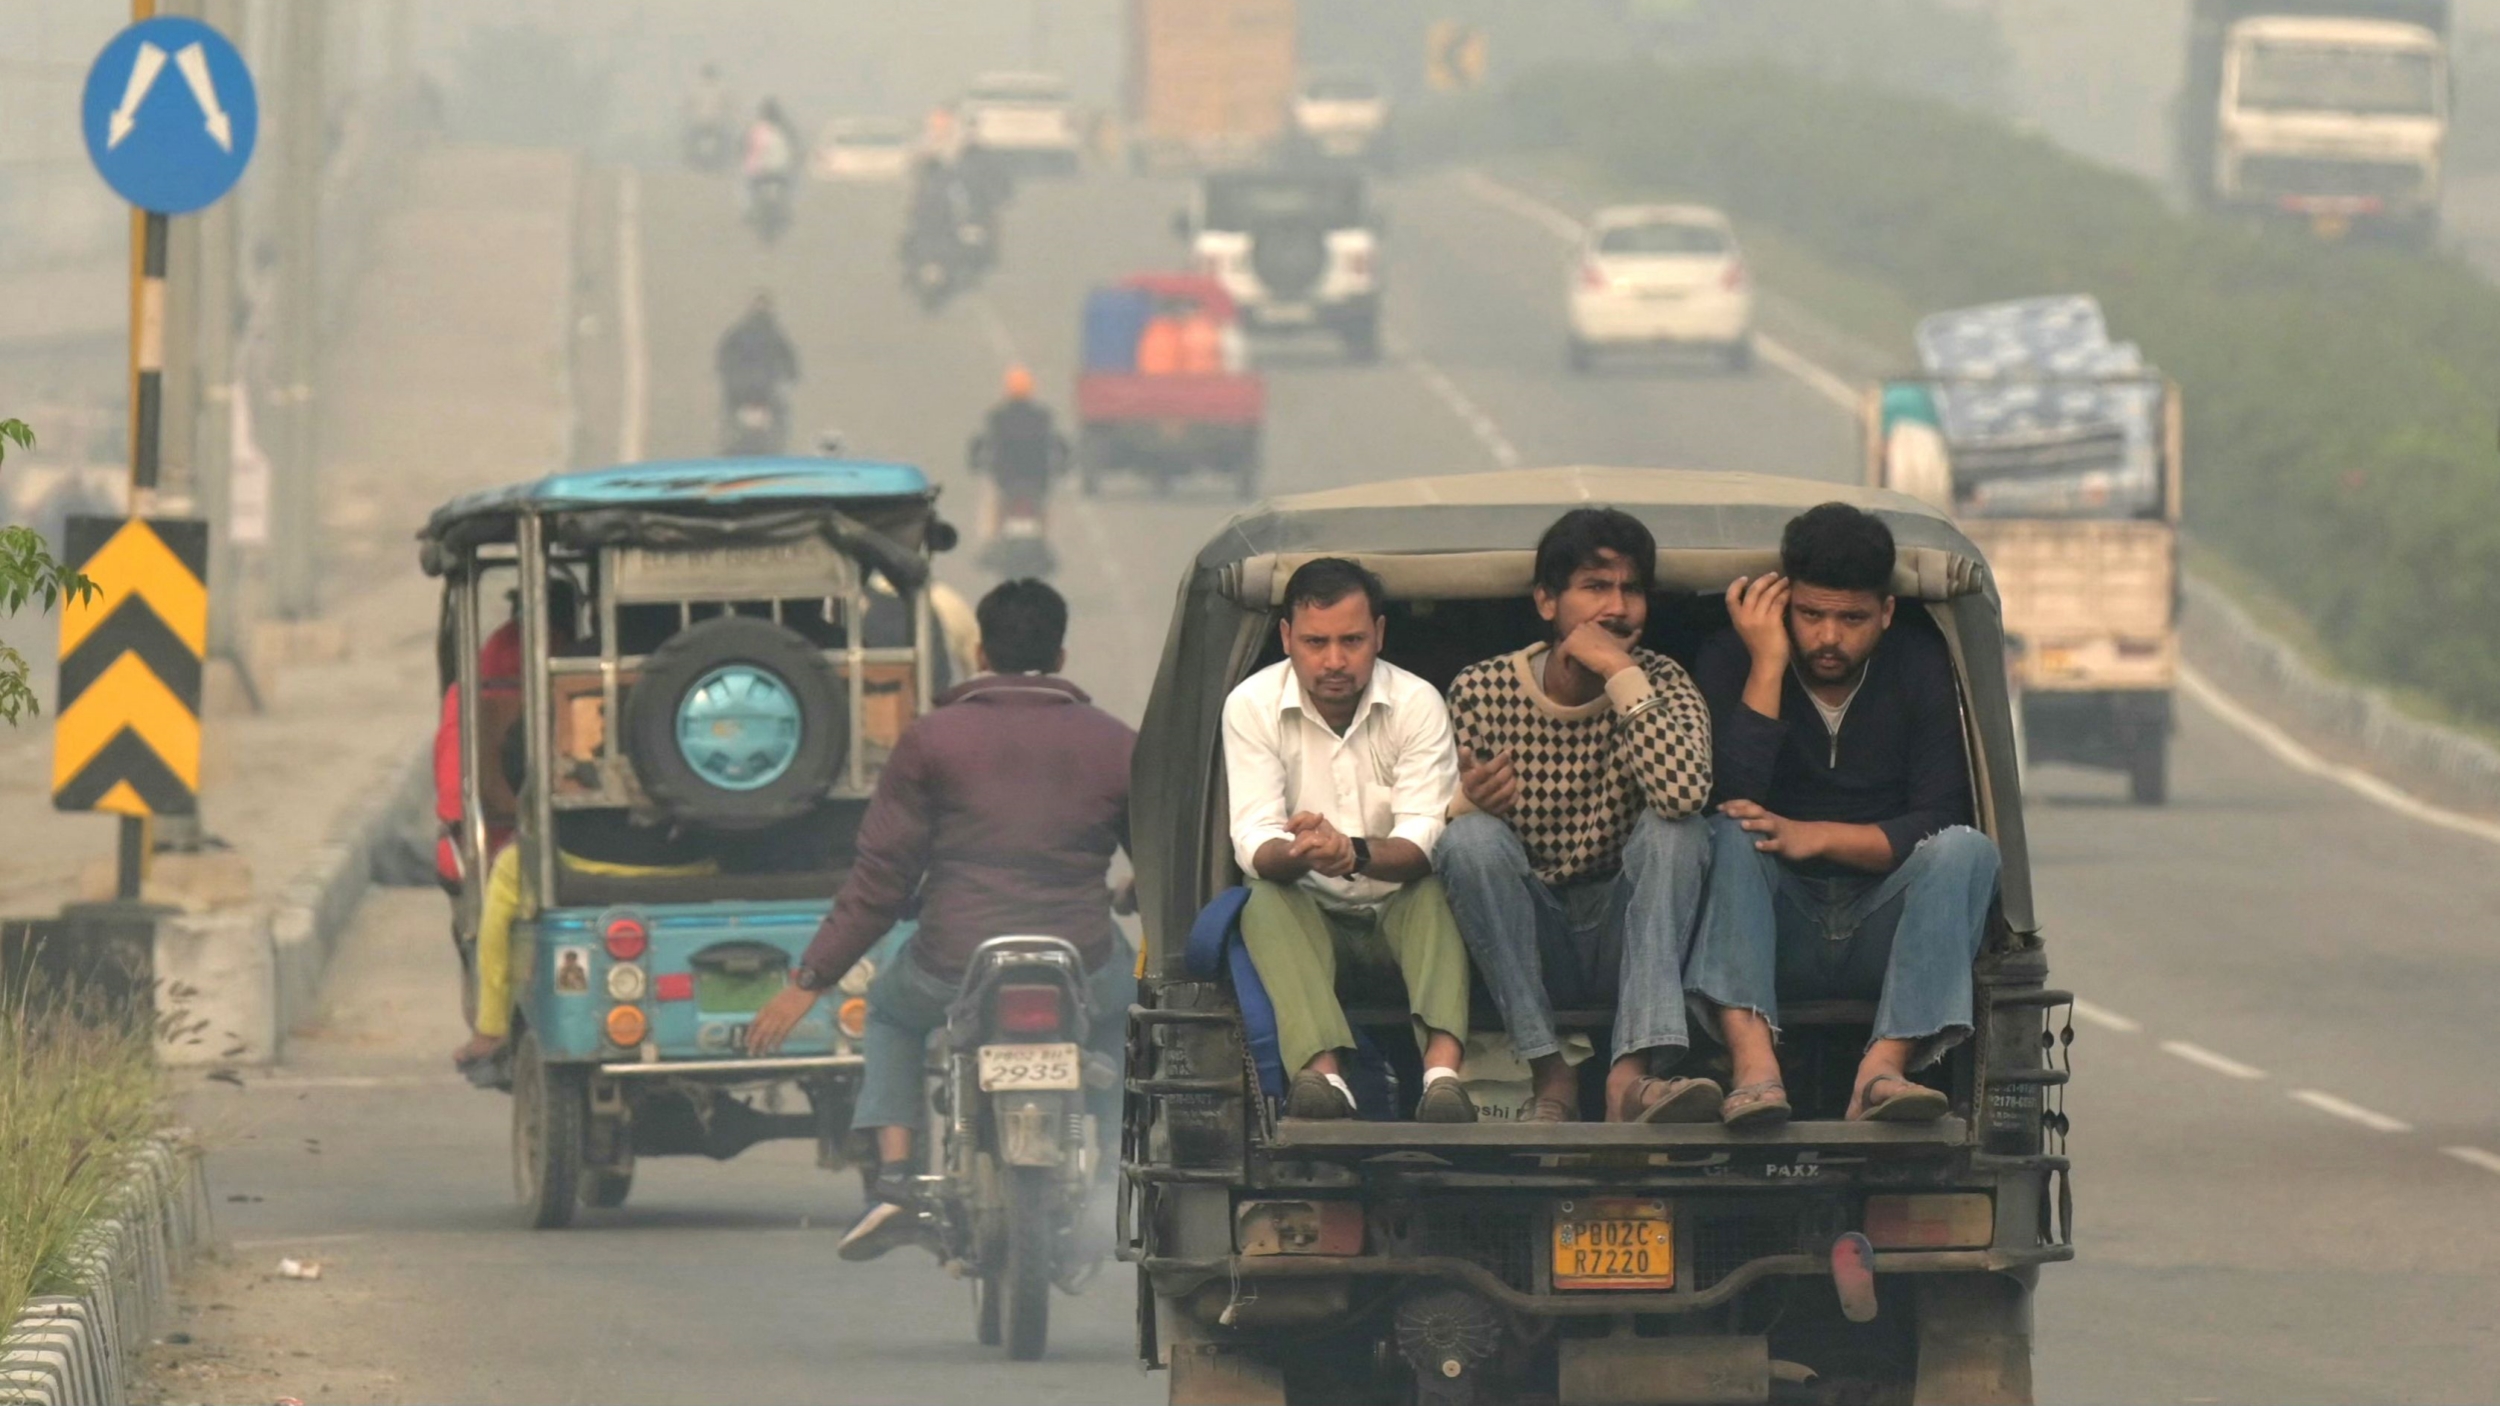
737	1070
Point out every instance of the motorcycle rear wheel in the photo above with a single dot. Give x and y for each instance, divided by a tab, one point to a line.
1032	1255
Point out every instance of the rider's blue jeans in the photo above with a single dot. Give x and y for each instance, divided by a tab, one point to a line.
1905	939
907	1002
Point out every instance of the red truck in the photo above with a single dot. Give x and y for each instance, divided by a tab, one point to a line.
1165	389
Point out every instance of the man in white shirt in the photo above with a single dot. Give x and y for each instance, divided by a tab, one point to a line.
1341	773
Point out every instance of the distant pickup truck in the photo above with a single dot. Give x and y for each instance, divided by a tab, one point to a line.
2058	454
1166	390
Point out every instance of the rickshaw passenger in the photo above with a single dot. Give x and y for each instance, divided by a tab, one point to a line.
498	667
1341	773
999	811
1845	863
1577	867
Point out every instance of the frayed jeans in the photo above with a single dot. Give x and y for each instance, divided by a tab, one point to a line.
1617	941
1905	939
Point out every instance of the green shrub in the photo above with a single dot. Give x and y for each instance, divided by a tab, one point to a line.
80	1093
2339	400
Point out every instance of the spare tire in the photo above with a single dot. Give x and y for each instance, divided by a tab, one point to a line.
737	724
1289	259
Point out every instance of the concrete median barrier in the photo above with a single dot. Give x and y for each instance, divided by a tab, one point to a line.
82	1348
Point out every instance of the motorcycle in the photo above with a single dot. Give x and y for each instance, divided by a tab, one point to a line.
1016	1149
1020	544
707	145
768	206
754	425
936	267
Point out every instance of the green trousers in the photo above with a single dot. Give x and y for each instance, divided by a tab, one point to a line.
1298	947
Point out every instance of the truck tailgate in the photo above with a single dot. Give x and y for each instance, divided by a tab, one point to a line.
1104	398
2092	603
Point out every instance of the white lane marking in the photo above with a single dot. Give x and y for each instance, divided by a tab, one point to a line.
2352	1112
2106	1018
1812	375
633	418
1836	389
2291	753
2220	1064
1482	426
2475	1157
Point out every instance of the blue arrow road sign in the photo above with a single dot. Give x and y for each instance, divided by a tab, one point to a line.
170	115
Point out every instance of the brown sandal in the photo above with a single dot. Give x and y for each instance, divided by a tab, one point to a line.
1654	1100
1761	1105
1908	1103
1551	1110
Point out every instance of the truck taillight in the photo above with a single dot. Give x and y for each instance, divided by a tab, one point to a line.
1026	1010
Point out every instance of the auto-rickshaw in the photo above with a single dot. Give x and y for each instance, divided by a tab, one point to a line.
1825	1260
716	660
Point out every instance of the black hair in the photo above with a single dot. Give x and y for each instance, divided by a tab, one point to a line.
1024	624
1324	581
1839	548
1581	537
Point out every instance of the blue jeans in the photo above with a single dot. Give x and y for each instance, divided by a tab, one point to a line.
1905	939
907	1002
1613	942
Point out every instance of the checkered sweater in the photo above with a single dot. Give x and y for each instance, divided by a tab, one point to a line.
1585	773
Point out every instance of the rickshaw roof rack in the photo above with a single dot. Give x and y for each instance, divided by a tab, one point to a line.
871	490
1471	534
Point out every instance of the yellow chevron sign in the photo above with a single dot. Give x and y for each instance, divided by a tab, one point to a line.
1454	56
126	732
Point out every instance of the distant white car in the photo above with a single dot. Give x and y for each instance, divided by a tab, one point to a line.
1661	276
864	149
1343	114
1028	118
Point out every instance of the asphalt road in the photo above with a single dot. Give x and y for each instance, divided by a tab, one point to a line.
2289	987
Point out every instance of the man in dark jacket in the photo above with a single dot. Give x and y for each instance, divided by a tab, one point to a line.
999	811
755	358
1844	865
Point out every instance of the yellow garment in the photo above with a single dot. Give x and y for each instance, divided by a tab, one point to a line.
510	896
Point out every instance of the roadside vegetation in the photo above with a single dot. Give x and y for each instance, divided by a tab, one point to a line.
2340	415
80	1092
28	574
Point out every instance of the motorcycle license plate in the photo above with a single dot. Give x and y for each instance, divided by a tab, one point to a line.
1614	1243
1014	1068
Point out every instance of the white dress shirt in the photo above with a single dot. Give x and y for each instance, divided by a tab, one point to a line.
1391	776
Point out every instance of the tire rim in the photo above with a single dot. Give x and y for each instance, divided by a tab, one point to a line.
740	727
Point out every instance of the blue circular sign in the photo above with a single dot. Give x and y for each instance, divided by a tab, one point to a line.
170	115
740	727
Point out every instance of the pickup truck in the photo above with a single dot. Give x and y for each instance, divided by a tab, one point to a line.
1166	390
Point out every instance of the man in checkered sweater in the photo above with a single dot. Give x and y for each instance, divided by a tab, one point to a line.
1577	863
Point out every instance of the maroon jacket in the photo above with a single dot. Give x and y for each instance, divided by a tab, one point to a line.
1000	810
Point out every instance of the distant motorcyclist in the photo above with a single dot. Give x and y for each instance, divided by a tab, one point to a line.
1020	448
756	362
771	154
707	120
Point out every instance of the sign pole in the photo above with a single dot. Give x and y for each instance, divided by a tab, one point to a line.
147	438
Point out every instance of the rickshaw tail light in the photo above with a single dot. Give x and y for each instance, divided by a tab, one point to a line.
675	986
627	938
1027	1010
1963	1220
627	1025
853	1017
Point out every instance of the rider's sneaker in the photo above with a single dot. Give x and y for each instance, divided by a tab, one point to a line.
882	1227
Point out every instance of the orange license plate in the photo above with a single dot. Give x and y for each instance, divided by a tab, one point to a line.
1614	1243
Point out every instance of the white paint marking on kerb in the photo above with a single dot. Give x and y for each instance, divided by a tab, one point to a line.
2106	1018
2475	1157
633	419
2372	1119
2220	1064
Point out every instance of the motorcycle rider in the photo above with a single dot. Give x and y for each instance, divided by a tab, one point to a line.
998	811
1020	449
940	207
772	150
707	119
755	361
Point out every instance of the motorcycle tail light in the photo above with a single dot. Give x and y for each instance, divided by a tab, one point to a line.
853	1017
1027	1010
626	938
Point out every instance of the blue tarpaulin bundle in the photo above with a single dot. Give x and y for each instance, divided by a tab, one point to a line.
2054	437
1115	318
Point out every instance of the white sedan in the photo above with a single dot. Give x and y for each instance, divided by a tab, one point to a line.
1661	276
874	149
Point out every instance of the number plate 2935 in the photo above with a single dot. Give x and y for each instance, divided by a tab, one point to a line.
1014	1067
1614	1243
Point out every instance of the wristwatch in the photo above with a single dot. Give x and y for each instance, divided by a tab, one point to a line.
805	978
1362	855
